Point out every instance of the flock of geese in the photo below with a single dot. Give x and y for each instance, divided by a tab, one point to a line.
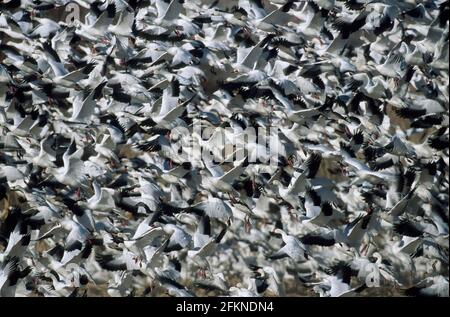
96	198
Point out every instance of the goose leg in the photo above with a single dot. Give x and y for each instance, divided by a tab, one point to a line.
201	272
247	224
232	198
78	192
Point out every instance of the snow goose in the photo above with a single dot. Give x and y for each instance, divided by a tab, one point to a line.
240	291
436	286
204	244
119	262
103	198
220	181
124	24
10	276
212	207
91	30
84	103
293	248
339	281
267	280
72	173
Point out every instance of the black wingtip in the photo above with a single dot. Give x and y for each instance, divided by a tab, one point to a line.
72	147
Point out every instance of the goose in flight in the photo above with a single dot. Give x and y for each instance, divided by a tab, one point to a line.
72	173
204	244
338	282
220	181
103	198
293	248
212	207
11	274
84	103
430	287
